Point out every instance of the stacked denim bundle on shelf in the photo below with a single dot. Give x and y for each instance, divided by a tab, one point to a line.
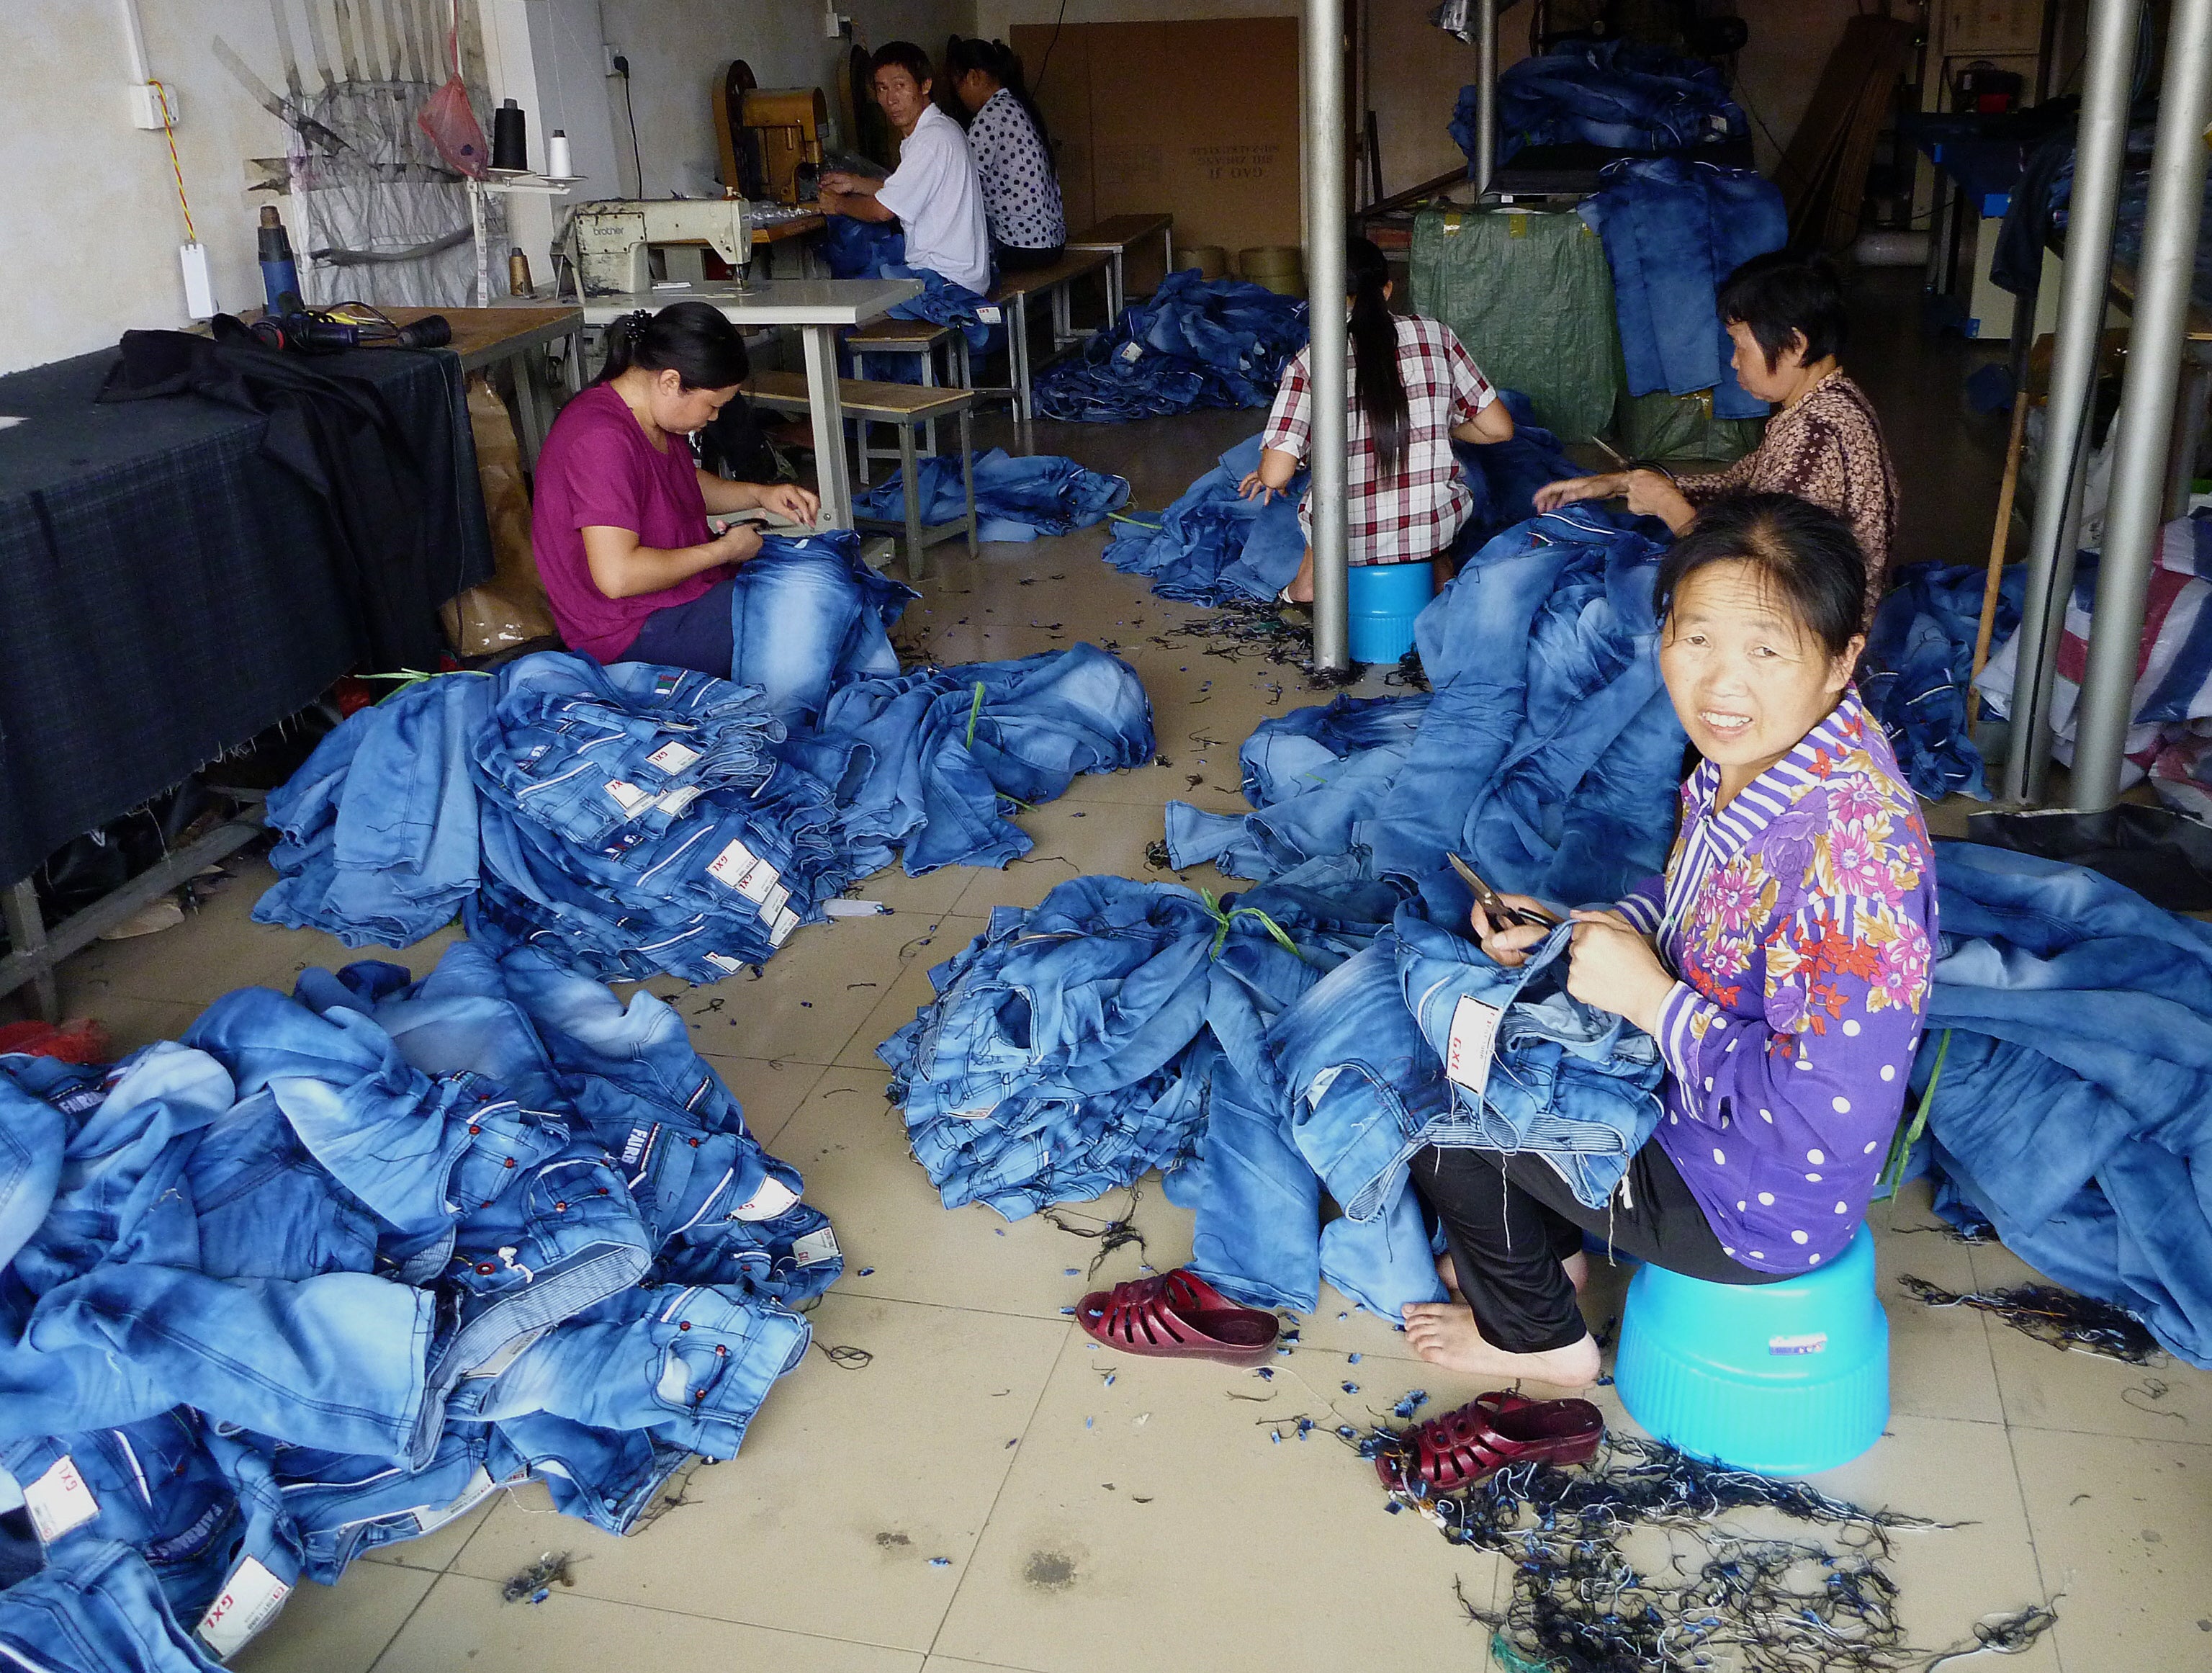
1547	755
636	820
1673	230
1622	94
1016	499
2073	1020
327	1272
1211	545
1191	345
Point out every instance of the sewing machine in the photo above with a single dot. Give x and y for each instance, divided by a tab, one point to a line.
770	133
609	244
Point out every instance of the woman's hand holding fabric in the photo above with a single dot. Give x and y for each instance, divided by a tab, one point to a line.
1509	944
1252	488
1653	494
1553	495
1611	965
736	544
790	501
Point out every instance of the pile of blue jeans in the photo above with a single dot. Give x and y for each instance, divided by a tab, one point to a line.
1016	499
1547	754
1620	94
1913	674
636	821
1212	546
1191	345
2073	1023
929	757
1673	230
877	250
327	1272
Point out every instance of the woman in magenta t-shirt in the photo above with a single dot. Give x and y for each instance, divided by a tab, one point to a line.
620	523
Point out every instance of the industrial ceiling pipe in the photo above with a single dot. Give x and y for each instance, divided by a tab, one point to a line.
2100	142
1326	223
2144	425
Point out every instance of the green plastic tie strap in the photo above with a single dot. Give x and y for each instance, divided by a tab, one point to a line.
975	713
1900	1146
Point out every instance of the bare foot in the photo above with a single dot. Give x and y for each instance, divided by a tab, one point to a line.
1450	1273
1445	1333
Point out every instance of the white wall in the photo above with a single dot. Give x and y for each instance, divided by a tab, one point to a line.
90	235
89	224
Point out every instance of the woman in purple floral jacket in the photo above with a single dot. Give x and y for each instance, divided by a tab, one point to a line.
1781	964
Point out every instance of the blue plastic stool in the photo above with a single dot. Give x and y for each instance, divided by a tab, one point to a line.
1384	598
1782	1378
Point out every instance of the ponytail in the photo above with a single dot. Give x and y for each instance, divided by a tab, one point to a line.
997	60
1376	384
695	340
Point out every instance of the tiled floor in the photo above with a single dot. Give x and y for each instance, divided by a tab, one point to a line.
979	1497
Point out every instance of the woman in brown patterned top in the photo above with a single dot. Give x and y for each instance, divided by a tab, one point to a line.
1786	318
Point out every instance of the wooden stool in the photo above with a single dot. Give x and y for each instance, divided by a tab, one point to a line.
903	406
920	338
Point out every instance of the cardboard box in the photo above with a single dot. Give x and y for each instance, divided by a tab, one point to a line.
1198	118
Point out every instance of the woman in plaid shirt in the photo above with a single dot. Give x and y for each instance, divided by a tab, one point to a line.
1414	389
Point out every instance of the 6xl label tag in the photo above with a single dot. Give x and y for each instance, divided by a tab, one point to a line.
249	1602
59	1500
1474	1032
673	757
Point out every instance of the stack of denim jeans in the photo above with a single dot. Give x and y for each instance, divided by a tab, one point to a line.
1548	754
324	1273
938	751
1191	345
1016	499
1620	94
1913	675
1673	230
636	820
2073	1023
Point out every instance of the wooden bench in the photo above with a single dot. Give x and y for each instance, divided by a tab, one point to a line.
902	405
1114	236
1012	295
921	338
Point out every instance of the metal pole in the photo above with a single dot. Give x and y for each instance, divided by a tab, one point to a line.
1325	293
2101	139
1485	94
2144	425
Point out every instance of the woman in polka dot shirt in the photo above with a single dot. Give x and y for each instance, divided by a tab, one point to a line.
1781	964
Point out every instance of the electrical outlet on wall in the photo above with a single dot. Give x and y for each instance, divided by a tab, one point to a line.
616	64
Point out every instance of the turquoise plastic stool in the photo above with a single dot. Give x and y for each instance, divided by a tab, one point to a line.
1384	598
1784	1379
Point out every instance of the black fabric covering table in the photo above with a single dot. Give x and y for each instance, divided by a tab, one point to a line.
170	587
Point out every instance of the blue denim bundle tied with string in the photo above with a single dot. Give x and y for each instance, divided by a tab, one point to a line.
1620	94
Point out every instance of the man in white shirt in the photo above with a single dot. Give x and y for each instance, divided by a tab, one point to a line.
934	192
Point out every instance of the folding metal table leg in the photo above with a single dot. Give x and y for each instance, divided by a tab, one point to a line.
914	560
968	468
27	928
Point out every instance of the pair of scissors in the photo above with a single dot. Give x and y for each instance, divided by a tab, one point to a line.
1495	909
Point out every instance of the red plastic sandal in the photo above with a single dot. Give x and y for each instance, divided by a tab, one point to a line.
1177	1315
1492	1430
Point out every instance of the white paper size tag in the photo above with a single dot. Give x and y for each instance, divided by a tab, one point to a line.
1474	1031
248	1602
775	901
773	1197
988	314
735	865
815	1247
59	1500
1133	352
673	802
628	796
779	931
672	757
724	962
